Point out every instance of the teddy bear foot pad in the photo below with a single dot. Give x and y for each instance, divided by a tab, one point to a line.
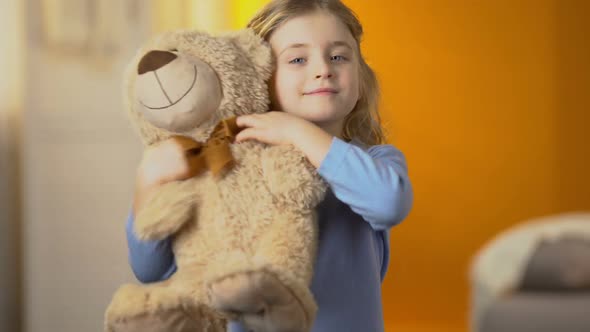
169	321
260	301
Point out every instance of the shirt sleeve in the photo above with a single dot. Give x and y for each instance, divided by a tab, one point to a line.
374	182
150	261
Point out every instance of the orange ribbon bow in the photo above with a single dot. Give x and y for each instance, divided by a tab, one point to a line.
215	154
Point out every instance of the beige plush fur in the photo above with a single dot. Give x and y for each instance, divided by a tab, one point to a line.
244	243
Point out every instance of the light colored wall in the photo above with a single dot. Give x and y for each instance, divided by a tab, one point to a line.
78	161
79	156
209	15
11	36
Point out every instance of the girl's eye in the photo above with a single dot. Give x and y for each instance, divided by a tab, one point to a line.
338	58
297	61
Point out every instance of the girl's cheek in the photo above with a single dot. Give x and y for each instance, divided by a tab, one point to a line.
274	99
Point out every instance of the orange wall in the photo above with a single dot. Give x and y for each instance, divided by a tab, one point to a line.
573	88
489	101
491	106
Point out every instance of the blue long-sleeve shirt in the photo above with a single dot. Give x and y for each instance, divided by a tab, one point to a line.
370	193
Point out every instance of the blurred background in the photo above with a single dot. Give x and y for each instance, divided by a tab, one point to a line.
489	100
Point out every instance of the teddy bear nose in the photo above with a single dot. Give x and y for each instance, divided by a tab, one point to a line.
154	60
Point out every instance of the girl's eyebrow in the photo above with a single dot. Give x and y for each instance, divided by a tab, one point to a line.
341	43
302	45
296	45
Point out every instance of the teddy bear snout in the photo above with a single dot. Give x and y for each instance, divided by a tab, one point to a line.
154	60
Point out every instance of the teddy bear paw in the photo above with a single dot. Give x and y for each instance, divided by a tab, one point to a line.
260	301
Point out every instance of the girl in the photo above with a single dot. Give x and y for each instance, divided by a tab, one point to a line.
325	96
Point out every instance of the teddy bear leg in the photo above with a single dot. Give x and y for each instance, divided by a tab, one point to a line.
274	295
262	303
153	308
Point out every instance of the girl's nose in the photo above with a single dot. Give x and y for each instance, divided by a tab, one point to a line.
324	75
323	70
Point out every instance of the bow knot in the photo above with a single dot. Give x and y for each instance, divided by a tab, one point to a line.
215	154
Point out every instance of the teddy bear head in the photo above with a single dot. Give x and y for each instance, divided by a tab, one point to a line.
185	82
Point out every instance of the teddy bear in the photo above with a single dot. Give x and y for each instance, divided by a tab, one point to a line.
244	228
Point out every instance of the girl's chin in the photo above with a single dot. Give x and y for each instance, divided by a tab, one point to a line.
318	116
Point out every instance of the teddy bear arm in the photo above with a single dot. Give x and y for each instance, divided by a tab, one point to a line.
291	178
168	210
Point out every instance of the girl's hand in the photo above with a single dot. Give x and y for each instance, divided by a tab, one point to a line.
277	128
161	163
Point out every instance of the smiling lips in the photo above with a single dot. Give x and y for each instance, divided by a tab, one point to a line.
321	92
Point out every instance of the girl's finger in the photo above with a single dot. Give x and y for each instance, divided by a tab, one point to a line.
248	121
248	134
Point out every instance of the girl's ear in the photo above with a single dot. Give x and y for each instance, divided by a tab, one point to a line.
256	49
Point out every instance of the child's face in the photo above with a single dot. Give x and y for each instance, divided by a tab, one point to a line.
317	74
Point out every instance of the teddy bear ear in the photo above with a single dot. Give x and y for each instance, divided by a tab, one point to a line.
257	49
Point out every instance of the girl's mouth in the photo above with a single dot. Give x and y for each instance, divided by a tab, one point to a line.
321	92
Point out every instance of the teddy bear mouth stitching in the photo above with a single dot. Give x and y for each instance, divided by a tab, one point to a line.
167	97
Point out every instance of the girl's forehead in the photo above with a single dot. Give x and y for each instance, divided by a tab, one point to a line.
313	29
